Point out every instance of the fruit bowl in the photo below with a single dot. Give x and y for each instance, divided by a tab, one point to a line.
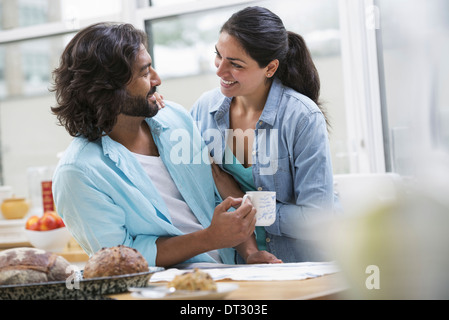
52	240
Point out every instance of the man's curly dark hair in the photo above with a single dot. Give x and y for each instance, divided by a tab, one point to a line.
90	82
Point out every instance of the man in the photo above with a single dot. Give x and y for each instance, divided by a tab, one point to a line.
119	182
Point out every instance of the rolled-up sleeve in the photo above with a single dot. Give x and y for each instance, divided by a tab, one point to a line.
93	218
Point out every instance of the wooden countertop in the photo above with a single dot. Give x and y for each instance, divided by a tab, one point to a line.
72	251
331	286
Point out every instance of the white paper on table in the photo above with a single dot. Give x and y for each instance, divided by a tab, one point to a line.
255	272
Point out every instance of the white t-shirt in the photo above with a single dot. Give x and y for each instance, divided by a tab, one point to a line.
180	213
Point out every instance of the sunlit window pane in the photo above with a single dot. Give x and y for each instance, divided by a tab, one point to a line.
157	3
185	45
416	72
26	66
88	9
25	13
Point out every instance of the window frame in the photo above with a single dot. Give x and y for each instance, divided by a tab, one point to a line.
365	115
59	28
159	12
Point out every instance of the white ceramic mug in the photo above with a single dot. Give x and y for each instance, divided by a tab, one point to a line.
265	204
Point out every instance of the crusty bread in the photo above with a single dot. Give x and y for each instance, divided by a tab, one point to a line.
30	265
193	281
115	261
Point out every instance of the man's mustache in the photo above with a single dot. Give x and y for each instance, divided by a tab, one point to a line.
152	91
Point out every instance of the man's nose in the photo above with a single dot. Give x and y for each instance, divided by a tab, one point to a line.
155	79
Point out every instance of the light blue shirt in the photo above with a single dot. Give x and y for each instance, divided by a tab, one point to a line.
106	198
290	155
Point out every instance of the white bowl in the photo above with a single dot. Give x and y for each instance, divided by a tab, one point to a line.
52	240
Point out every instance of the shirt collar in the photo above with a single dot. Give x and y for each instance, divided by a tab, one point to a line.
157	125
110	146
221	107
271	107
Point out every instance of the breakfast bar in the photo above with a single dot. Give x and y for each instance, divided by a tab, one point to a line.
327	287
289	281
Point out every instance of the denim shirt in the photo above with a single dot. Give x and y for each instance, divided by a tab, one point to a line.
106	198
290	155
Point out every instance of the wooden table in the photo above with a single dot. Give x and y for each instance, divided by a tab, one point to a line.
324	287
331	286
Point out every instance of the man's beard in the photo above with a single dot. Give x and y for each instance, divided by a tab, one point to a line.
137	106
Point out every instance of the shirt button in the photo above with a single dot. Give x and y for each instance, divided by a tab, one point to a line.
259	189
267	240
254	153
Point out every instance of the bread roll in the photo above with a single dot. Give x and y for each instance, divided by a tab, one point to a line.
193	281
115	261
30	265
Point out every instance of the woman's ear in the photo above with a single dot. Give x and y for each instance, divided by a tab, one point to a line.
271	68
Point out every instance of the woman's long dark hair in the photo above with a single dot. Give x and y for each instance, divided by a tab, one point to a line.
91	80
263	36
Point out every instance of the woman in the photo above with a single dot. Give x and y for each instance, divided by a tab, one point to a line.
265	127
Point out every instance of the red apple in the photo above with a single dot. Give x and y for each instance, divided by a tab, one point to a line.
48	222
58	218
32	223
60	223
53	213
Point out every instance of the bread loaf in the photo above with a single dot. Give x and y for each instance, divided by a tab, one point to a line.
115	261
30	265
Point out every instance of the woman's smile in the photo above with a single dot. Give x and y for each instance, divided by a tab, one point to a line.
227	84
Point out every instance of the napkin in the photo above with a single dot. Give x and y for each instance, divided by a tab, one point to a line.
254	272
